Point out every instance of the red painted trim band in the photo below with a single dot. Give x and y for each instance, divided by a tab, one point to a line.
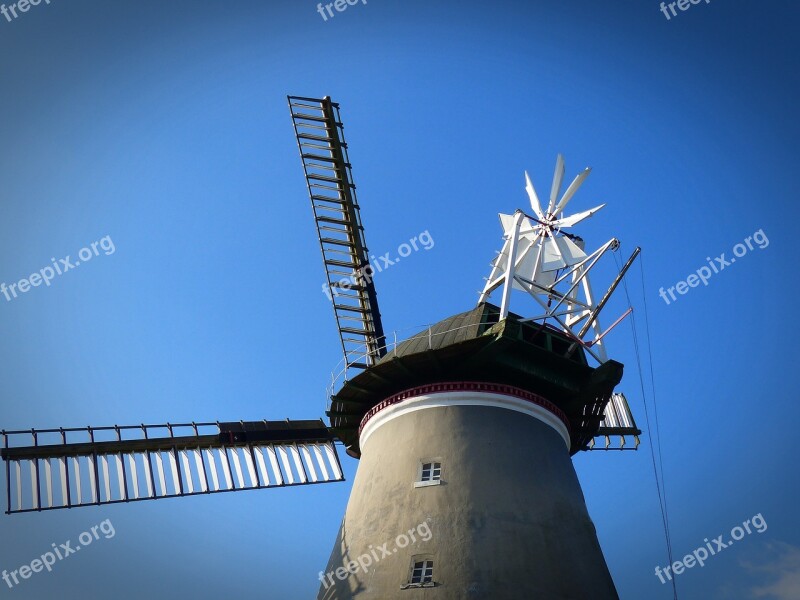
466	386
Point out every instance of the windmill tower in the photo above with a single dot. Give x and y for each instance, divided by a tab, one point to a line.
468	427
465	487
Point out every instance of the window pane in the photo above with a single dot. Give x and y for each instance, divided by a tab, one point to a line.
431	471
423	572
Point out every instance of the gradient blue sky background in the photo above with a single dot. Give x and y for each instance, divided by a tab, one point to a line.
165	126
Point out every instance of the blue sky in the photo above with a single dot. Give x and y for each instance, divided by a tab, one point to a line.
165	127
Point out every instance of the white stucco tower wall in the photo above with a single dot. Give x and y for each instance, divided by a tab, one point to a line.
507	519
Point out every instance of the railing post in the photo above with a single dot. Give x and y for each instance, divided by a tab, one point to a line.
8	475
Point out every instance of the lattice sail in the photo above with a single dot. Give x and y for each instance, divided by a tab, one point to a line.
323	151
82	468
617	421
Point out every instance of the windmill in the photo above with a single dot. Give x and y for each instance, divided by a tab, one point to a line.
469	425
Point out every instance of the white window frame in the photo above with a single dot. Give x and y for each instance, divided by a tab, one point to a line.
421	467
427	564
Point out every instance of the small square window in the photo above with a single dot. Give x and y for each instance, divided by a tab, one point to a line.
431	471
422	572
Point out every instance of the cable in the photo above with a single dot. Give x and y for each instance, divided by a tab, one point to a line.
660	485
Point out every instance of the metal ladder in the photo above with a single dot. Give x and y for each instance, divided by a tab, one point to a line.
323	150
